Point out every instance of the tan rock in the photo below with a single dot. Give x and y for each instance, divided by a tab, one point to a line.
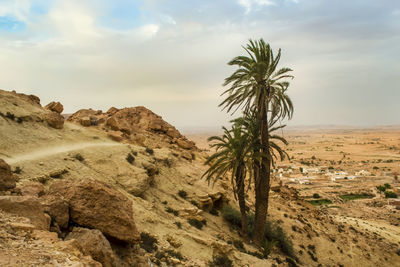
55	106
97	205
7	179
113	124
186	155
93	243
185	144
54	120
116	135
112	110
34	189
137	183
85	121
57	208
26	206
173	241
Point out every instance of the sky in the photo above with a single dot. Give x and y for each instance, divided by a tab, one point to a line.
171	55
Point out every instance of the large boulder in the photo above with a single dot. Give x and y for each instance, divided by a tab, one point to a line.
93	243
57	208
55	106
54	120
97	205
26	206
7	180
34	189
136	184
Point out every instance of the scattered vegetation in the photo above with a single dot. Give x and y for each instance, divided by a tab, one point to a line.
238	244
10	116
214	212
148	242
319	202
316	195
356	196
171	210
182	194
194	203
17	170
197	223
130	158
79	157
220	261
390	194
274	234
149	151
178	224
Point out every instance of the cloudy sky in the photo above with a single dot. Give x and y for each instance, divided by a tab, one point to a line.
171	55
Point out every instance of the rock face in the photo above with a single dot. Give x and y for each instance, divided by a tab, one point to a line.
7	180
26	206
138	184
135	124
57	208
96	205
93	243
33	189
55	106
54	120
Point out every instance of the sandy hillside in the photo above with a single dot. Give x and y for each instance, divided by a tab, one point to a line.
134	157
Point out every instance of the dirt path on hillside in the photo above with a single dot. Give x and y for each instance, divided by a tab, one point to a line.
48	151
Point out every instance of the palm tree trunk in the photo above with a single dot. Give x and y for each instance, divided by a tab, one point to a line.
263	183
241	197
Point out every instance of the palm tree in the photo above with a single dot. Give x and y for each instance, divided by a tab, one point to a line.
232	155
257	85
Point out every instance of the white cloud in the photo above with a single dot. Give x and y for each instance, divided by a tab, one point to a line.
248	4
15	8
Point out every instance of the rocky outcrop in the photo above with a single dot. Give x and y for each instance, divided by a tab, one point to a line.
96	205
34	189
55	106
93	243
138	183
54	120
137	124
7	179
57	208
26	206
211	200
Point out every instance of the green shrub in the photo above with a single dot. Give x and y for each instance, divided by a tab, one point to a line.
387	186
10	116
316	195
381	188
148	242
220	261
196	223
356	196
171	210
232	216
375	168
17	170
390	194
238	244
130	158
149	151
79	157
273	232
214	212
182	194
178	224
19	120
319	202
267	247
194	203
